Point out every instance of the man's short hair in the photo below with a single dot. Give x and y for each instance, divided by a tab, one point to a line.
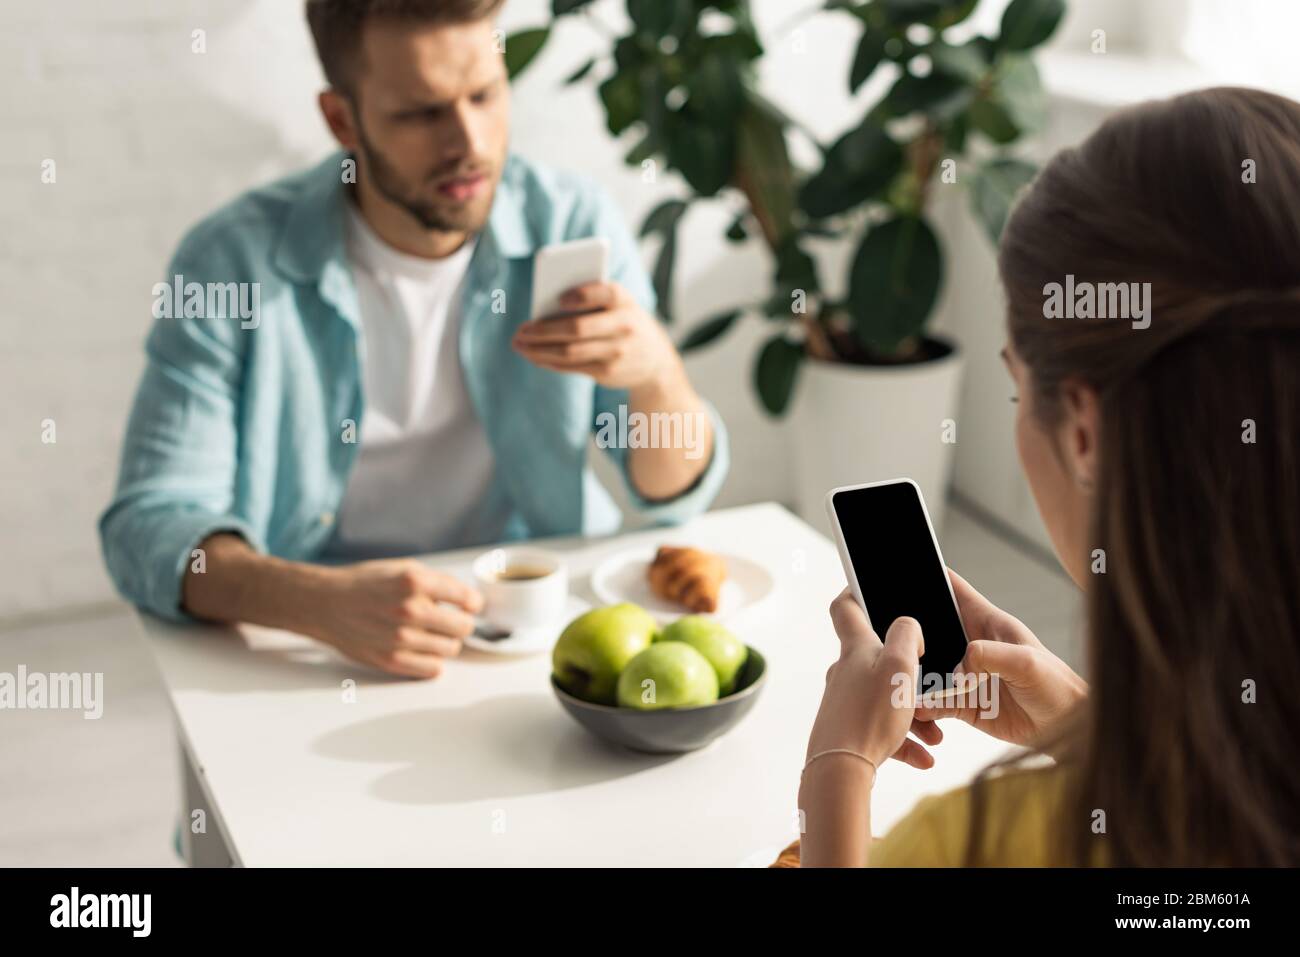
336	26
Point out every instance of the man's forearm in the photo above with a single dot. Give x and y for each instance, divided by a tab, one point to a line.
682	454
238	584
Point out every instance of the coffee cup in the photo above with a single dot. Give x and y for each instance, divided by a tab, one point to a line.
521	587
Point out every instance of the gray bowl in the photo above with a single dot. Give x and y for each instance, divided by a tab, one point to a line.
671	730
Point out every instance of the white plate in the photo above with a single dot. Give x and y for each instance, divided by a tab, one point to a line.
622	577
530	641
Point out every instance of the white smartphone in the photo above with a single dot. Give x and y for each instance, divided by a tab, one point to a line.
559	267
892	560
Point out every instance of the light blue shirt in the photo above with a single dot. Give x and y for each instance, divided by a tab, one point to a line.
242	423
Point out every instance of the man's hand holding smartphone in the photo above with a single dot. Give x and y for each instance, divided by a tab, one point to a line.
602	333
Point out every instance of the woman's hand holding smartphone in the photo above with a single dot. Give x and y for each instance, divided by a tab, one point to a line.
879	692
866	709
1035	690
871	690
860	710
897	574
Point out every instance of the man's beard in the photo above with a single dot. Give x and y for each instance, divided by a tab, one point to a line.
467	218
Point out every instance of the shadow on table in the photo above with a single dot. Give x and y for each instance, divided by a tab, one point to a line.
510	746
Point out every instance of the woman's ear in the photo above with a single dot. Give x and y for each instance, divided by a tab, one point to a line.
1080	432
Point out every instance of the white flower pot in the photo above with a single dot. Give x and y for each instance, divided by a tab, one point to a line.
851	424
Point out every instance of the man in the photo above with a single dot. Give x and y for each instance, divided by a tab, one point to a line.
390	395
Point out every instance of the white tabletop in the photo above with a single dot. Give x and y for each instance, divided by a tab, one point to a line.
481	767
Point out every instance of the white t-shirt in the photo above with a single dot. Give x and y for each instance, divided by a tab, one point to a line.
423	475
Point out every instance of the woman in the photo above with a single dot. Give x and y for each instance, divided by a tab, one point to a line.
1165	461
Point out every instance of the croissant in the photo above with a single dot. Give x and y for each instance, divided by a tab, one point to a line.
688	575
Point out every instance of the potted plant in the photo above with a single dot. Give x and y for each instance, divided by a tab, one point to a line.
868	390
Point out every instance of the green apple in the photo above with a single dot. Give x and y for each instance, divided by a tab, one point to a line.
595	647
668	674
724	651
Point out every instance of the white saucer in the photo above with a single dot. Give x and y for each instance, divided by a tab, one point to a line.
622	577
530	641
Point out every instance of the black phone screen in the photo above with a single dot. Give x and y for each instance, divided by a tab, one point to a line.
899	570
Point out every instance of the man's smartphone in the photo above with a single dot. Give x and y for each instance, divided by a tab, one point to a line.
561	266
892	559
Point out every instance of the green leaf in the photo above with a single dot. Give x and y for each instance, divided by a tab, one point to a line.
763	168
860	165
662	275
871	50
966	62
1027	23
708	330
863	11
702	151
862	148
645	148
659	18
663	220
629	53
654	111
894	282
775	373
993	191
795	269
521	47
714	89
954	12
1021	93
581	72
911	93
560	7
912	11
954	137
741	45
621	96
991	119
939	14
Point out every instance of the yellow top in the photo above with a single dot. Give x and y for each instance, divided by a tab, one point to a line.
1021	825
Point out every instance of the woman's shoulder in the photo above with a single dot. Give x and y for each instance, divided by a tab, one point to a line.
1013	810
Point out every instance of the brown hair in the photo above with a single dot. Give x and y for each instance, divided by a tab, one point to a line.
1187	741
336	26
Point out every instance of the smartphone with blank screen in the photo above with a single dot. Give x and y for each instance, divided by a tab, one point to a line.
561	266
895	569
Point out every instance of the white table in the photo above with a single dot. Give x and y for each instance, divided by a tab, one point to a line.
481	767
